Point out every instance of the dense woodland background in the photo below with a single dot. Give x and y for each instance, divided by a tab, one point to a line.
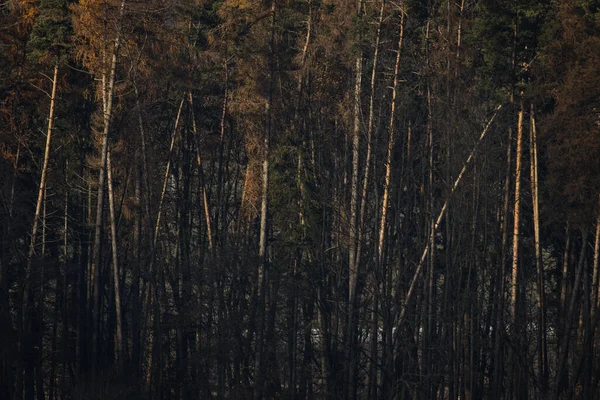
302	199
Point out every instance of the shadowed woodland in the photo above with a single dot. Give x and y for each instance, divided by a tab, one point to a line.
299	199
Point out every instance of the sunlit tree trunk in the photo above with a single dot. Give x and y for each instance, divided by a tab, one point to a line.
516	218
518	376
533	157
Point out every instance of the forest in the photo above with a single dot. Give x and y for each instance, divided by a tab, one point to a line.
299	199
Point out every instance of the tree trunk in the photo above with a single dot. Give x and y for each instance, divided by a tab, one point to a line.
516	216
151	302
349	390
41	194
566	334
543	355
518	375
209	229
107	98
120	355
262	250
419	267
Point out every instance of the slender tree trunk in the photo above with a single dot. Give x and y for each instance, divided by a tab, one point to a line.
517	377
41	194
365	183
390	147
221	230
438	220
566	334
262	250
596	272
108	85
120	355
65	313
151	302
516	217
498	370
209	229
353	273
543	354
8	381
136	312
28	299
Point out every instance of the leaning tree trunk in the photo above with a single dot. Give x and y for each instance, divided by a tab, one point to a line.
416	274
28	298
41	193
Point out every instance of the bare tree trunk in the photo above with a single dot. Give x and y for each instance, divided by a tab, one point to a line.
221	231
417	272
353	272
516	214
28	299
120	355
209	229
596	272
136	311
390	147
498	370
65	314
459	40
262	250
518	375
41	194
566	337
365	186
152	301
107	98
543	355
